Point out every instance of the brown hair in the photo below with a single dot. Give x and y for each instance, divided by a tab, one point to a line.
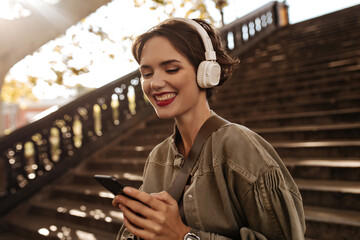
187	41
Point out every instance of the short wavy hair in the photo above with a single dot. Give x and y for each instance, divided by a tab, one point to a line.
186	39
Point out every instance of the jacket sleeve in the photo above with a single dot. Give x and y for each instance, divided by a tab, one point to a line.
245	234
273	209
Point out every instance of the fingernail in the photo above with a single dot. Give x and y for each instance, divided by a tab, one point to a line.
127	190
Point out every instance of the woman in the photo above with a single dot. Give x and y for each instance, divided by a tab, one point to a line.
239	187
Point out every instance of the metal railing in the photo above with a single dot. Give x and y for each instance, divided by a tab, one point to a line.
33	155
246	31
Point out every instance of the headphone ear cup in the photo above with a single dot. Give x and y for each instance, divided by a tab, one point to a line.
208	74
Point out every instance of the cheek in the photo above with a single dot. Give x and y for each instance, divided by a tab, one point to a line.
145	86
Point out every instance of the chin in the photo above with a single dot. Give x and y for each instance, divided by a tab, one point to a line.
163	115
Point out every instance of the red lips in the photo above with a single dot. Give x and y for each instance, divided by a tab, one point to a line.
164	99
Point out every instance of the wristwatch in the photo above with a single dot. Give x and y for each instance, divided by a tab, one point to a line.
193	234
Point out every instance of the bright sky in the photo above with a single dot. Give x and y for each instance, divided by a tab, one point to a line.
299	10
120	19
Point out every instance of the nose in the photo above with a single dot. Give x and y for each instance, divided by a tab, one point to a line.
157	81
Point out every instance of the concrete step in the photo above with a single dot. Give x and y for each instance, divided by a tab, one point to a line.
93	193
318	149
340	57
311	132
324	169
83	187
133	179
11	236
130	165
41	228
331	224
291	91
152	135
330	193
104	217
262	72
236	109
292	75
287	96
140	151
350	115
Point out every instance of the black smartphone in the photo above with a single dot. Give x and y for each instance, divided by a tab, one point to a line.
111	183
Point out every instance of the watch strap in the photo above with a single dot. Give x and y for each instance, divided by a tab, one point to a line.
193	234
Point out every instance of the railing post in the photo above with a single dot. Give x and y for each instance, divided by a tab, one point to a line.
282	14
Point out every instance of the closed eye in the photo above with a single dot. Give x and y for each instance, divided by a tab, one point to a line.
173	70
146	75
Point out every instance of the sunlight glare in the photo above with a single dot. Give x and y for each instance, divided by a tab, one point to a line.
44	231
12	10
117	214
82	235
106	194
77	213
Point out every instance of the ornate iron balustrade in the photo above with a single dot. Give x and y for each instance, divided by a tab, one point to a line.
246	31
32	156
41	151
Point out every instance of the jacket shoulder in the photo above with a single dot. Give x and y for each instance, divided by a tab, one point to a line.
243	150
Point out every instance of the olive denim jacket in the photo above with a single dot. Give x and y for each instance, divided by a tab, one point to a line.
240	188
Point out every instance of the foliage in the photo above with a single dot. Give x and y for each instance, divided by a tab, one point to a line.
59	63
89	45
196	8
10	92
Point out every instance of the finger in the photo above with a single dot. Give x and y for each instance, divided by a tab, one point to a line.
136	207
141	233
165	197
143	197
138	222
116	201
135	220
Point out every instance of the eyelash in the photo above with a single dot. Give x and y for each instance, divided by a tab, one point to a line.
173	70
146	75
170	71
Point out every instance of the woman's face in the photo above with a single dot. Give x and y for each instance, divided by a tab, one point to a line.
169	79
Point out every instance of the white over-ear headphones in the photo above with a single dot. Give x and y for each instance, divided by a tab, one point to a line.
208	73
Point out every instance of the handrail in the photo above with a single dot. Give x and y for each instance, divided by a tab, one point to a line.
42	151
243	33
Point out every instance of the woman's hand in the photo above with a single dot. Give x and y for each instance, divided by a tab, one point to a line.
156	216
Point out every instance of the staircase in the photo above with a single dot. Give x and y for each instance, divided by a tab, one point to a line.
299	88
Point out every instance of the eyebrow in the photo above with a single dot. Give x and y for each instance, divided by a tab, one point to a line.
164	63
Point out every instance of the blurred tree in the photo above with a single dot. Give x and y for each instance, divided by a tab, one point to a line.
199	8
220	4
27	25
62	63
10	92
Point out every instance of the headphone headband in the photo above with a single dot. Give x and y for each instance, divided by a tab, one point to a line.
210	54
209	71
